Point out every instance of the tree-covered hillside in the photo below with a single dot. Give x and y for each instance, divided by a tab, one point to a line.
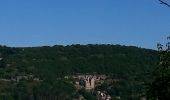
129	63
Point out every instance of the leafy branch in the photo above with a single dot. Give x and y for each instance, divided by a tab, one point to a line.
164	2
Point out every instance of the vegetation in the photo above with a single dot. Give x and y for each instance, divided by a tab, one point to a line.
130	65
160	88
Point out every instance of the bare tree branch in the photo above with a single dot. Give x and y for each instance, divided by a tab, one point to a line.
165	3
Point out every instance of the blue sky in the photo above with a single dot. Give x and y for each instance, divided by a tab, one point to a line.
140	23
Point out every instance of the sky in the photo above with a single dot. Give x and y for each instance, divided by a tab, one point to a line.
141	23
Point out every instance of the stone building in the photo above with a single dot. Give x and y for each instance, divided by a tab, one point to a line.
103	96
89	83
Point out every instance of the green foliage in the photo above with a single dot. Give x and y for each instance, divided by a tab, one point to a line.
63	60
59	90
86	95
160	87
129	64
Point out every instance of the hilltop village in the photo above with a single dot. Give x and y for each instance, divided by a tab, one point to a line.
89	82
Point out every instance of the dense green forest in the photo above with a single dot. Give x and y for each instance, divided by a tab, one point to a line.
131	65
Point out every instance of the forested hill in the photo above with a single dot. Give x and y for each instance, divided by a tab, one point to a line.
63	60
47	66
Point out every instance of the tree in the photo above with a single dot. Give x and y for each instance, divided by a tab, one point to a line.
165	2
160	87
